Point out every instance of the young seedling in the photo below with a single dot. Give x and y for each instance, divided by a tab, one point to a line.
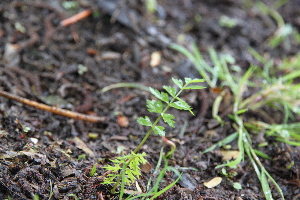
156	179
129	167
156	106
126	170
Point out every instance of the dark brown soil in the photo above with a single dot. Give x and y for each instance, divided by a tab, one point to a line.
40	60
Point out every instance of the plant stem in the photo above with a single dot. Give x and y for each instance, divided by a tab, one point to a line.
124	166
147	135
157	120
116	185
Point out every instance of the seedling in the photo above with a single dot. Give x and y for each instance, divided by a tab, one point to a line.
93	170
227	22
156	106
70	5
158	174
228	174
237	185
151	6
36	197
126	170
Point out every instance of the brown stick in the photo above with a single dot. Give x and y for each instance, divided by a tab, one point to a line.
55	110
75	18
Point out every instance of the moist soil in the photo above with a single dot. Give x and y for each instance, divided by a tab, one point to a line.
68	66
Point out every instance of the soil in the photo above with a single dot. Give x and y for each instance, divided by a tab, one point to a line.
68	66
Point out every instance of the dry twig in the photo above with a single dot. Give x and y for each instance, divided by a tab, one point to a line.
53	109
75	18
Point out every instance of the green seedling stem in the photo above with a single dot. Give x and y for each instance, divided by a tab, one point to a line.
148	134
170	104
129	164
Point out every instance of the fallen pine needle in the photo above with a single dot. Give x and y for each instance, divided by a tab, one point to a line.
53	109
75	18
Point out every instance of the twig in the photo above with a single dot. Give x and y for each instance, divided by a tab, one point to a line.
75	18
52	109
49	29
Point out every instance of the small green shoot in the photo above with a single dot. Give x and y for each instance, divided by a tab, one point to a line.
158	174
70	5
93	170
36	197
26	129
131	161
163	103
81	157
291	164
229	174
237	186
227	22
19	27
151	6
126	170
66	153
81	69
